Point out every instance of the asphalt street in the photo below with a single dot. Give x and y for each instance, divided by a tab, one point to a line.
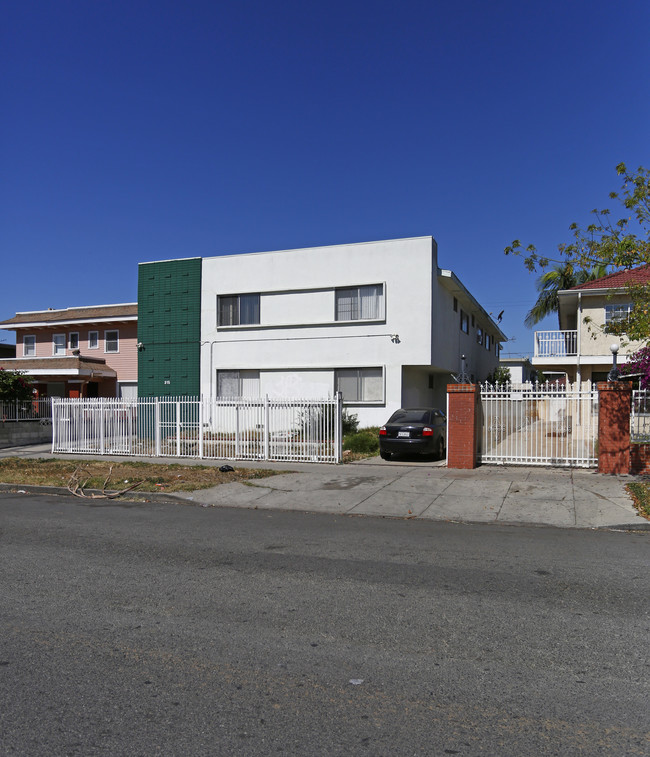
169	629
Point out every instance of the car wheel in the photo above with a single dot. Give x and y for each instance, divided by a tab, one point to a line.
385	455
440	450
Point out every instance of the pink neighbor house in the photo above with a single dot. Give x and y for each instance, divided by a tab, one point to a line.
77	352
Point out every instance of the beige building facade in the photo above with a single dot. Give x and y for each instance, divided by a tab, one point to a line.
581	349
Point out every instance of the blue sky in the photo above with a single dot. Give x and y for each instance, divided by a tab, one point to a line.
137	131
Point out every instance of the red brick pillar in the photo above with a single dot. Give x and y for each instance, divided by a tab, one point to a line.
462	425
614	406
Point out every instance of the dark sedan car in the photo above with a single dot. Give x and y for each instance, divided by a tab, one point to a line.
414	431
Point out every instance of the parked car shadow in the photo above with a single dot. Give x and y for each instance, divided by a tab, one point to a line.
405	458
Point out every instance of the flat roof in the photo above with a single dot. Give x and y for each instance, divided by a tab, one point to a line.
292	249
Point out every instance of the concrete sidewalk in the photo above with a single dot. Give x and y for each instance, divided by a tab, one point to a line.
563	498
566	498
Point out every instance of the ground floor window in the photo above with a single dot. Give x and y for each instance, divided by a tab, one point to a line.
238	383
127	390
360	384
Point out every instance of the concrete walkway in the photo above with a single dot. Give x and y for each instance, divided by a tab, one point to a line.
566	498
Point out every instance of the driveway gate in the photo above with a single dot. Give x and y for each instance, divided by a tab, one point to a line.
539	424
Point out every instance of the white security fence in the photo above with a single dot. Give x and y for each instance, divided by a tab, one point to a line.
539	424
224	429
640	416
27	410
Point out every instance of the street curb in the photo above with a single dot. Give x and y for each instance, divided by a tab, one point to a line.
171	499
158	497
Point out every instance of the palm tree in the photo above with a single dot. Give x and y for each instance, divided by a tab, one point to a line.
563	276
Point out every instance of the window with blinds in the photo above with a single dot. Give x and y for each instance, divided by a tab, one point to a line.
359	303
238	310
238	383
360	384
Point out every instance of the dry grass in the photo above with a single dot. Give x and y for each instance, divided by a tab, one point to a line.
640	493
92	474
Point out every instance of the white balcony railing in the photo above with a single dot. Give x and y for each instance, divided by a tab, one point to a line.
556	343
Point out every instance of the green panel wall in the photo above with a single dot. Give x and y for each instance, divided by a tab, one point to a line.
169	328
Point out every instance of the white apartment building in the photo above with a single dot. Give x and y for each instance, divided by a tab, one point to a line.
378	321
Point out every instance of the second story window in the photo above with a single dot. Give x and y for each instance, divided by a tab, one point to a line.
29	346
112	341
464	322
359	303
73	340
93	340
238	310
479	335
617	313
58	344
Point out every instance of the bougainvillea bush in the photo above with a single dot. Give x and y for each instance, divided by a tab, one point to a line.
14	386
639	362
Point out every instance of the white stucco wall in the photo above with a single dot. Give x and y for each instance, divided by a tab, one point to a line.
298	344
298	384
593	340
449	341
289	308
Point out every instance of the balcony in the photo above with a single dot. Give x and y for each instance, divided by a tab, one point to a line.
556	343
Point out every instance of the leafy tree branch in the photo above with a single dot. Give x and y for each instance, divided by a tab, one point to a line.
603	246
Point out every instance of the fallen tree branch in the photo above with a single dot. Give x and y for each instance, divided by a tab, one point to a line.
76	488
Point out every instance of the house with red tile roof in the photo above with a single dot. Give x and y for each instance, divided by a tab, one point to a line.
581	348
78	351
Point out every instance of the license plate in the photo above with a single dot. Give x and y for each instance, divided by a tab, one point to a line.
403	433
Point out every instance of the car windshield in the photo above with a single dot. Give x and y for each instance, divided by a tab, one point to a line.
410	416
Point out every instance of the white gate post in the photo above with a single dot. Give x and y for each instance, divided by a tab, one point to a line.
200	427
338	440
101	426
266	427
178	428
156	421
237	448
55	424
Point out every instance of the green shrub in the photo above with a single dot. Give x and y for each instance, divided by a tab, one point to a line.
350	422
500	375
15	386
365	442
